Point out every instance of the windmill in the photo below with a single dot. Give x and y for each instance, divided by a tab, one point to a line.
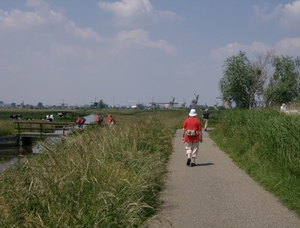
171	103
216	105
63	104
22	105
183	104
195	101
153	104
226	103
94	103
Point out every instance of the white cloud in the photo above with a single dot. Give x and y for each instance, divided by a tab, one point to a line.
222	53
18	20
262	14
291	15
86	34
127	8
141	37
133	13
289	46
288	14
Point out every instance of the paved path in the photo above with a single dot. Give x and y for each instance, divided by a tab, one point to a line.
216	193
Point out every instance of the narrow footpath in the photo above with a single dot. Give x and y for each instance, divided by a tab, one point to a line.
216	193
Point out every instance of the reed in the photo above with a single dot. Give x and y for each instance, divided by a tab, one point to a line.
265	143
6	128
99	177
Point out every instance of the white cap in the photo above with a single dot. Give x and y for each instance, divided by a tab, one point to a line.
193	112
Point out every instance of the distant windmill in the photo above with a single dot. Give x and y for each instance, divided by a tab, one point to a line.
195	101
94	103
171	103
22	104
183	104
216	105
63	104
226	103
153	104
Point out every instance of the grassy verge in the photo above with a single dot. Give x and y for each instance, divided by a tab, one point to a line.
97	177
265	143
6	128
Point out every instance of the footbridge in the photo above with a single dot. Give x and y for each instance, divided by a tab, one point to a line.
41	129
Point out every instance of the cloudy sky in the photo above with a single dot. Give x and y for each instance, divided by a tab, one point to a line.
130	51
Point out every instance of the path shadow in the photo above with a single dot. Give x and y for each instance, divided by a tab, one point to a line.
204	164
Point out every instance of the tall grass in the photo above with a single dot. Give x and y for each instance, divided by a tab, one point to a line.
6	128
265	143
95	178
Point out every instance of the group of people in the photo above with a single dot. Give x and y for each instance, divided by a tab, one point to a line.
99	120
192	135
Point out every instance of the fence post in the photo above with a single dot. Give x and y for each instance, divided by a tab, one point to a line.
41	129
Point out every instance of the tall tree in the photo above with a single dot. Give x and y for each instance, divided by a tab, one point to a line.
244	81
40	105
284	84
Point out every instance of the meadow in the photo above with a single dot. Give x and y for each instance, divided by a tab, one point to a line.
264	143
97	177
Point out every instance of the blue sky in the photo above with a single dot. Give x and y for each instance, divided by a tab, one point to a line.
130	51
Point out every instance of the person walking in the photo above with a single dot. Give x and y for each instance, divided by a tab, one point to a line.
99	119
110	121
80	122
191	136
283	108
205	117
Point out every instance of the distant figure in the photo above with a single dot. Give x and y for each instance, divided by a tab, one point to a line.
80	122
99	119
283	108
191	136
205	117
110	121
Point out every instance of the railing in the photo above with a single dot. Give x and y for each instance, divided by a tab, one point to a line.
43	127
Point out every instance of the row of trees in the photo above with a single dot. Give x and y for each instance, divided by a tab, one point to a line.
270	80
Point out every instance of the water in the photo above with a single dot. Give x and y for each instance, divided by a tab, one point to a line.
11	155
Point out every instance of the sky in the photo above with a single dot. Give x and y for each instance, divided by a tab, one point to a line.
134	51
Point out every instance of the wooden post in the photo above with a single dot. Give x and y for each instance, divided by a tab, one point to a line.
19	129
41	129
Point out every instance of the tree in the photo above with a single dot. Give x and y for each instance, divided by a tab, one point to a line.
243	81
237	83
40	105
284	84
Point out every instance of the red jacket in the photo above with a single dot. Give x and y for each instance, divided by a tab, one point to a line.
192	123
